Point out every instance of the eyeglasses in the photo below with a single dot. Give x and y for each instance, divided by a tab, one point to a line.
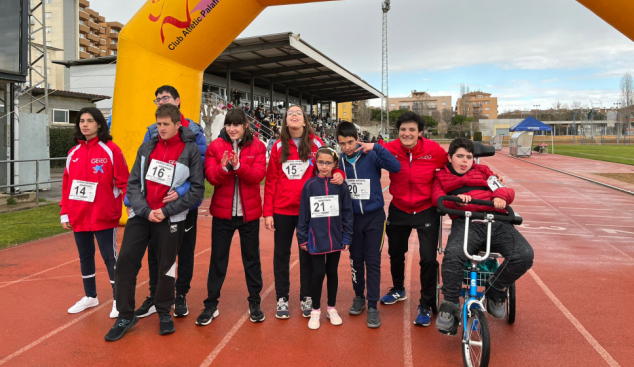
164	99
327	164
296	113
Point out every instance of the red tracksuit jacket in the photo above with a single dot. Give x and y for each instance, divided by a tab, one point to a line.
411	186
101	163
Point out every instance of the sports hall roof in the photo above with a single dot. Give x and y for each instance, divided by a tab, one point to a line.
285	60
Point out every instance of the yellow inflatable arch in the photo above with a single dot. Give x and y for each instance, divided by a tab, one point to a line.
172	42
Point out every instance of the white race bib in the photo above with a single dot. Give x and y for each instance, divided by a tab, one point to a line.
160	172
294	169
324	206
494	183
359	189
83	191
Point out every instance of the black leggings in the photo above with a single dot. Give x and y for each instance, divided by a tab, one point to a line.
324	264
107	241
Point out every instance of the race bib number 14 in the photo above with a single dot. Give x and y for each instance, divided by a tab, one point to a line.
324	206
160	172
83	191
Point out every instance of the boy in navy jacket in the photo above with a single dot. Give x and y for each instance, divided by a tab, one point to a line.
362	164
324	229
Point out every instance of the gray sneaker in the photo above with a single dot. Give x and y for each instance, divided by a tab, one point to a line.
358	304
282	309
447	320
373	318
307	306
496	307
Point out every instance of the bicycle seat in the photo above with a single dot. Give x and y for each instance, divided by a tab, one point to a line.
482	150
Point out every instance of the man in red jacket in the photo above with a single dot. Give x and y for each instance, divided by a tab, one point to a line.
235	164
474	181
411	208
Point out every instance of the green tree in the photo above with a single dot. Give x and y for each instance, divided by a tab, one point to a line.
430	122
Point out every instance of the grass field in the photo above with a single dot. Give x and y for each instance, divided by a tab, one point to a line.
29	225
609	153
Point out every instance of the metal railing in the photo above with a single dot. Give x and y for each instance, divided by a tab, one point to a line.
37	182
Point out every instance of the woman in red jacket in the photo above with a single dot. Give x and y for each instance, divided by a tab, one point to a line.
291	164
93	189
235	164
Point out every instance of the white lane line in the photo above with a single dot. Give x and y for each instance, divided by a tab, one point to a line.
32	275
591	209
607	225
595	216
210	358
560	234
408	361
71	323
595	344
59	277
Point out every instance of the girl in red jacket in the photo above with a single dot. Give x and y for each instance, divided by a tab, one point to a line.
235	164
93	189
291	164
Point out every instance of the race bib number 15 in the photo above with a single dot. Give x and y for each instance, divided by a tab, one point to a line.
294	169
324	206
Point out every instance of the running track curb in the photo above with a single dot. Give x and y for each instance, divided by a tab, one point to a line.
577	176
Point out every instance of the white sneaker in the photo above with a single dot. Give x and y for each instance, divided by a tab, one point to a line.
114	313
313	323
84	303
334	317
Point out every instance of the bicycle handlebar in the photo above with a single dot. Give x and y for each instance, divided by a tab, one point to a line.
510	217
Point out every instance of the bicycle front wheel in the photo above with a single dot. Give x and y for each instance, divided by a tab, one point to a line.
511	304
476	342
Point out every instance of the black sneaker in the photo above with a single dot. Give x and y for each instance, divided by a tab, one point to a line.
358	304
146	309
121	326
496	302
180	306
373	318
207	316
167	324
256	312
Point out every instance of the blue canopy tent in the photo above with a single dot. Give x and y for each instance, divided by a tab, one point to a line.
532	124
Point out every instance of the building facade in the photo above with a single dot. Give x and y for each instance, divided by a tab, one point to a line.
73	31
478	104
347	110
423	103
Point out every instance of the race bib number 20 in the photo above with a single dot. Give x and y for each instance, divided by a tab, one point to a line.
359	188
160	172
324	206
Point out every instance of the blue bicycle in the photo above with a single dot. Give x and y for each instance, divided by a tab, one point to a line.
476	340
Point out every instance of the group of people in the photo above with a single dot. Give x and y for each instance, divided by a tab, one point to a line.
329	202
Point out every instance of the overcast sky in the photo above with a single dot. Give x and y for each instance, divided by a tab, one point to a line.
526	53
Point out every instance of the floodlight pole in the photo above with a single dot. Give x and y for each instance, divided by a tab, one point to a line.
385	6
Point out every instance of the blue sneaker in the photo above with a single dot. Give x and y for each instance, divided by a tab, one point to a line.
423	318
393	296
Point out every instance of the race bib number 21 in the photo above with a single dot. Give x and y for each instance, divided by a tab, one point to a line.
324	206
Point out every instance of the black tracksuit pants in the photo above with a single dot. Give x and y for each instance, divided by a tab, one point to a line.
324	264
222	231
399	227
185	269
505	240
368	232
165	237
285	226
107	241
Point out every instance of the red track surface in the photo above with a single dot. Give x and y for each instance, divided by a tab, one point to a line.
572	307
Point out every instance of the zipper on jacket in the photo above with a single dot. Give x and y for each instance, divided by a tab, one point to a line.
410	181
354	168
164	155
329	230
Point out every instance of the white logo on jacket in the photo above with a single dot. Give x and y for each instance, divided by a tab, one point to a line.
427	157
99	160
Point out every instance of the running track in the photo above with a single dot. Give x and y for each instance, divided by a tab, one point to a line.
572	306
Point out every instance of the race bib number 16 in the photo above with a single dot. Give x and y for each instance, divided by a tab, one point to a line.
160	172
324	206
